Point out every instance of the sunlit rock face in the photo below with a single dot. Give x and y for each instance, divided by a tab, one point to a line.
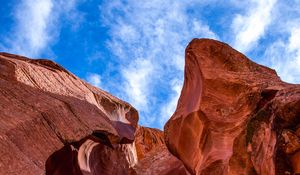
53	123
234	116
50	119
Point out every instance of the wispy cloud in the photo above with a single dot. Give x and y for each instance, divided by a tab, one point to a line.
282	49
250	27
137	75
94	79
37	26
33	21
273	28
149	39
284	56
144	59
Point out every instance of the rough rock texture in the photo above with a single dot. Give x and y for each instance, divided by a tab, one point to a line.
234	116
53	123
161	162
153	155
147	139
46	114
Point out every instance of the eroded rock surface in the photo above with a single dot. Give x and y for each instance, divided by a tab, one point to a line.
147	139
48	114
53	123
234	116
160	161
153	155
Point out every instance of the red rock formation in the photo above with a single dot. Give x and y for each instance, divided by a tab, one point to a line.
153	155
161	162
147	139
53	123
234	116
46	113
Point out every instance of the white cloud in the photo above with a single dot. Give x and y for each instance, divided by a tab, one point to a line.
94	79
284	56
149	39
281	50
37	25
294	49
294	43
31	34
136	82
250	27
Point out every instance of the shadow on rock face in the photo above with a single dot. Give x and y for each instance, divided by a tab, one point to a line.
93	155
63	161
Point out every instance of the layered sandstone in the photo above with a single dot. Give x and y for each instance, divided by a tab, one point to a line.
161	162
147	139
234	116
53	123
153	155
50	115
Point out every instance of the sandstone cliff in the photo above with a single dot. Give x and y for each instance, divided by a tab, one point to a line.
49	115
53	123
153	155
234	116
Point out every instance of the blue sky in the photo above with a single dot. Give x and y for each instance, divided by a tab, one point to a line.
135	49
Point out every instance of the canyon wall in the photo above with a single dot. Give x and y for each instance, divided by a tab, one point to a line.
234	116
53	123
